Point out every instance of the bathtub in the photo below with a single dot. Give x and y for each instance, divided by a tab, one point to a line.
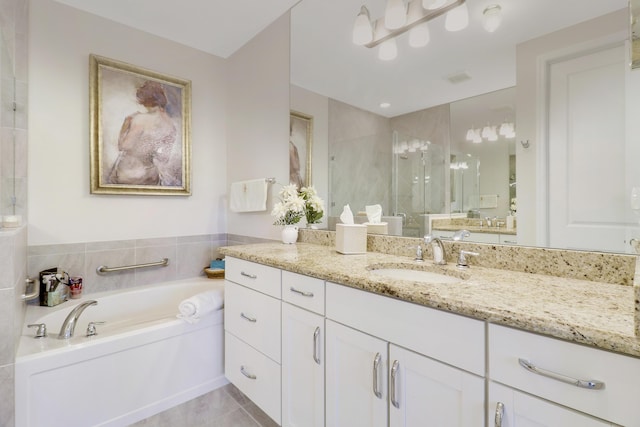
143	360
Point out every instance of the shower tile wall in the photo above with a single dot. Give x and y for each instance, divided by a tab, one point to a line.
359	159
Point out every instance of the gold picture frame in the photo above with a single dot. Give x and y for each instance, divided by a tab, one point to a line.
300	147
140	123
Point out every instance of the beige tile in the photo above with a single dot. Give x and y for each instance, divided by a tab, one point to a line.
237	418
7	418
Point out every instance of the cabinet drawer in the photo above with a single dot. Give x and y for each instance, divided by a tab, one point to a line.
253	317
616	401
252	275
452	339
254	374
303	291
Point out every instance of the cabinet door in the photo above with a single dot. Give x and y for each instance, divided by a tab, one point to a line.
356	378
302	367
424	392
511	408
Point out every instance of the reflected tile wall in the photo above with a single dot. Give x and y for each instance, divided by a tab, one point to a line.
188	256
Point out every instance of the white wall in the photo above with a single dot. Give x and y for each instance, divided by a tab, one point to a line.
315	105
258	121
61	209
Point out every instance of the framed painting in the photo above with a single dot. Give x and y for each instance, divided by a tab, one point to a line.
300	148
140	130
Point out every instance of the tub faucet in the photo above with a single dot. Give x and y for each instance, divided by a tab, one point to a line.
69	324
437	248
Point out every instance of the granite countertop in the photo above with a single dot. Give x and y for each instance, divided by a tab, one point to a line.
587	312
476	229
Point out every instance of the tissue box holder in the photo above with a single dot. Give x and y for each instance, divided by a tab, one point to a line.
377	228
351	239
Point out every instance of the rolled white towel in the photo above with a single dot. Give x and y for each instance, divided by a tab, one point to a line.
195	307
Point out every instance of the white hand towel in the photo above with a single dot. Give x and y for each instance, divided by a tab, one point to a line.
194	308
248	196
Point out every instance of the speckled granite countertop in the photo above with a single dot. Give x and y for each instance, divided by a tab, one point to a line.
587	312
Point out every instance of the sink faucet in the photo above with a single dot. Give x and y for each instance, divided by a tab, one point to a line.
439	254
460	235
69	324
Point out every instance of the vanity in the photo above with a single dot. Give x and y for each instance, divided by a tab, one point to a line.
317	338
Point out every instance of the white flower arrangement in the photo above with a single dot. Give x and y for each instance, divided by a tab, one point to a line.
294	205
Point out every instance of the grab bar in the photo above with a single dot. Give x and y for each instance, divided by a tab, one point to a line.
104	269
33	294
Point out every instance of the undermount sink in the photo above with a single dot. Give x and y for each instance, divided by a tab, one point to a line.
416	275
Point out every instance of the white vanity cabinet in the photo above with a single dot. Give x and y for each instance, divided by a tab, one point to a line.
303	355
252	322
594	386
399	364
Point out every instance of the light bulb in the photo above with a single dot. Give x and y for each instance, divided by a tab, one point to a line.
492	17
486	131
388	50
505	128
395	15
362	29
433	4
419	35
470	135
457	19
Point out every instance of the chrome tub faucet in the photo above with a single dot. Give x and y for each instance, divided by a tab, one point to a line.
69	324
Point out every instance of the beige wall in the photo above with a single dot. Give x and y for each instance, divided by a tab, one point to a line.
258	121
61	210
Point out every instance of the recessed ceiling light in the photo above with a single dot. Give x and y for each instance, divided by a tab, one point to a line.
385	105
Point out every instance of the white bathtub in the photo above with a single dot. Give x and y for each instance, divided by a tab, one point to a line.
143	360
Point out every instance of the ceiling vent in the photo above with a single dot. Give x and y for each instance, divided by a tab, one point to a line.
458	77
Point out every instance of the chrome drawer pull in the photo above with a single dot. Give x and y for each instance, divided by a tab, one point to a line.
304	294
316	345
246	374
588	384
250	276
250	319
376	375
394	378
499	414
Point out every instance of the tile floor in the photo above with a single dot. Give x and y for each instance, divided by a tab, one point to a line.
223	407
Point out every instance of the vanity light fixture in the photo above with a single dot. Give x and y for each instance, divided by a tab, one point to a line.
400	18
492	17
491	132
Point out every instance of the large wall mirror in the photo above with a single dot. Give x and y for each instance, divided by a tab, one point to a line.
552	82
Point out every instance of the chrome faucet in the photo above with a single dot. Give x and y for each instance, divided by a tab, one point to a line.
69	324
439	254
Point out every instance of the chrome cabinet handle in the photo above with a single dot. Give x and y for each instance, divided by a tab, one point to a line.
250	319
304	294
316	345
588	384
250	276
394	378
246	374
499	414
376	375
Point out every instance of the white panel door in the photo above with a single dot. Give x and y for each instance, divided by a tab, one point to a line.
587	204
356	376
302	368
424	392
511	408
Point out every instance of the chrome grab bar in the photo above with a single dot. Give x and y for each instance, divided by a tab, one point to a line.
104	269
246	374
499	414
376	375
316	346
588	384
303	293
393	388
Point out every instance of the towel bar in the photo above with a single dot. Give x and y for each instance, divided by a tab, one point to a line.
104	269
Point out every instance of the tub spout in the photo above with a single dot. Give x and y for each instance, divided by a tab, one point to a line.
69	324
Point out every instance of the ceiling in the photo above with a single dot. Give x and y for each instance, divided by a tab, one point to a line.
325	61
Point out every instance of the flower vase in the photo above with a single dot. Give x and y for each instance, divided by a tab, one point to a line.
289	234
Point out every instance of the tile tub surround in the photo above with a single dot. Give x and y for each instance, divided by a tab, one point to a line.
588	312
471	224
